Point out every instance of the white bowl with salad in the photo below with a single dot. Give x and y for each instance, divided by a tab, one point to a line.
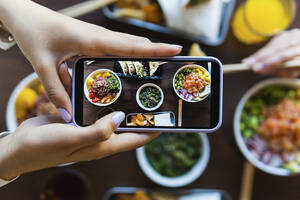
192	83
267	126
102	87
175	159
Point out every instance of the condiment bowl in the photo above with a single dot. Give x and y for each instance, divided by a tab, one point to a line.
139	101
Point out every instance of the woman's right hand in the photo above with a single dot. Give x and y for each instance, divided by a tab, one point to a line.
270	59
48	39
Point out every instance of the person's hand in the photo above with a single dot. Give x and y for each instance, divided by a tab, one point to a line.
282	48
43	142
48	39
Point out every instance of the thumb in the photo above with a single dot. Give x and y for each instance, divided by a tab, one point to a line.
103	128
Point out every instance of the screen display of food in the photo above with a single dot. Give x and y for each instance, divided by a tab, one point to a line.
152	93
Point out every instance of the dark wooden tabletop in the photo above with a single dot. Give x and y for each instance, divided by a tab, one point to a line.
225	166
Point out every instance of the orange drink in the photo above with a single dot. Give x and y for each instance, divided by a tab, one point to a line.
257	20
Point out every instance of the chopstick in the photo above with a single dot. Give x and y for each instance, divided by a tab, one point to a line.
85	7
232	68
179	112
247	181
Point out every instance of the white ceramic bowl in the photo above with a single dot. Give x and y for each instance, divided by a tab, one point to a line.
179	181
11	120
139	101
294	83
86	91
193	66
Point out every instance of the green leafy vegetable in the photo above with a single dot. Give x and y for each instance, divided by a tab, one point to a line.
113	83
252	115
174	154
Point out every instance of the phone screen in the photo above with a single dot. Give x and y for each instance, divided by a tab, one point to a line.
164	93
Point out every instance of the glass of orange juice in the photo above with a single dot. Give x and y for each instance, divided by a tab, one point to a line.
257	20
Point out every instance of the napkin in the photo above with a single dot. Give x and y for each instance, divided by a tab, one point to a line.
200	20
202	196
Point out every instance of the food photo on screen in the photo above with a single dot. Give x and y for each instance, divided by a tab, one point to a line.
148	92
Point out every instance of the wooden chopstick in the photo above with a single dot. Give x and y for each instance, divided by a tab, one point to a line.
247	181
232	68
85	7
179	112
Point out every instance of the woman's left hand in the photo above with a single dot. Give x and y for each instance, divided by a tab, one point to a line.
43	142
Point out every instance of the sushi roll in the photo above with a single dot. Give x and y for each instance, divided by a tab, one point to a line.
124	67
131	67
140	69
153	67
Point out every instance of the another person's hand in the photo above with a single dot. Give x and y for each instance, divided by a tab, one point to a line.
48	39
282	48
43	142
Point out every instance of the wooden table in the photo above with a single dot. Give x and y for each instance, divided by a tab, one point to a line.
225	166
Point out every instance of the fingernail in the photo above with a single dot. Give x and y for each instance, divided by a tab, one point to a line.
64	64
177	46
64	114
258	67
71	124
117	118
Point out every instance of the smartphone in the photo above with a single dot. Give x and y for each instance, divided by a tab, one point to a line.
173	94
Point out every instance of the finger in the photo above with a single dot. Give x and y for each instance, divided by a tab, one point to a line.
65	77
278	60
102	129
281	43
55	90
73	138
118	45
116	143
283	72
41	120
260	55
128	141
144	49
134	38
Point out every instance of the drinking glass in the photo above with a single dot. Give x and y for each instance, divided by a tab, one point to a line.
257	20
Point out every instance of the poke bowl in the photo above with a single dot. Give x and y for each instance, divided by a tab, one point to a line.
174	159
102	87
267	126
149	97
192	83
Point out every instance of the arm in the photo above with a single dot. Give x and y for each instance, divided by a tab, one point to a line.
48	39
